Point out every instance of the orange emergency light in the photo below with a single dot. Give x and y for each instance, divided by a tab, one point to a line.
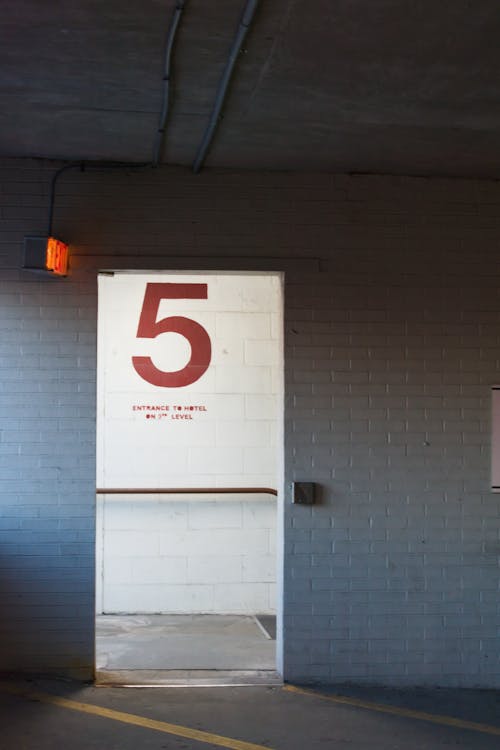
46	255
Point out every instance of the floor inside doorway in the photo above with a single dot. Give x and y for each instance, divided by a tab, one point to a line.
187	643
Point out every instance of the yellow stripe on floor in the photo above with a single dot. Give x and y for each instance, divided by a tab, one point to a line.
138	721
408	713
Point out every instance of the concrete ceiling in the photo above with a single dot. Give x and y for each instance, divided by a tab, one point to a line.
387	86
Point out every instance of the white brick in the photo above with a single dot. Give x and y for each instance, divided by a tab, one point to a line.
259	568
168	515
243	434
260	515
227	541
228	351
130	543
215	569
130	599
254	325
118	570
243	380
151	570
174	543
224	514
118	514
272	598
188	598
261	353
259	460
212	460
235	598
232	406
261	406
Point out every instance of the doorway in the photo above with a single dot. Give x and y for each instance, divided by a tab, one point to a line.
189	477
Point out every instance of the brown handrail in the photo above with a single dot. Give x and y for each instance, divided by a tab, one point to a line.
187	491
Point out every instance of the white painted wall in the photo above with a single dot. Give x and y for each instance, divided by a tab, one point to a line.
189	556
215	553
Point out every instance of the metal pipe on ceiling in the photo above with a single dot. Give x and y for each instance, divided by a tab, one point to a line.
160	135
241	33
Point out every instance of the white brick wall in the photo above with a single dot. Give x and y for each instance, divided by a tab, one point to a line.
183	556
218	446
208	544
392	329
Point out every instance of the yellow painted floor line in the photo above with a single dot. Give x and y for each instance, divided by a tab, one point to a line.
138	721
408	713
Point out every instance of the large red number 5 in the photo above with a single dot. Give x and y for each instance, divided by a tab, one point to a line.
149	328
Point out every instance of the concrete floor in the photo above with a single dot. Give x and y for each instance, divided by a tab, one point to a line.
37	719
151	644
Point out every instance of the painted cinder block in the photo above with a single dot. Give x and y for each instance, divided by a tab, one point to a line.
158	570
131	543
255	325
258	460
211	460
260	406
250	433
188	557
215	569
220	515
233	597
232	541
259	568
388	281
187	598
259	515
244	379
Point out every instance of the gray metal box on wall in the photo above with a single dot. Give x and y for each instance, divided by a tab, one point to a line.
303	493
